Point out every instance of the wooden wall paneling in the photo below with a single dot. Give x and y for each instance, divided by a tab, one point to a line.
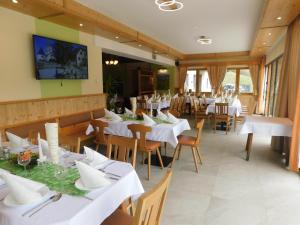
18	112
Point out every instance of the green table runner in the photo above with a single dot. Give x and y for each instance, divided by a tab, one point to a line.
46	174
128	118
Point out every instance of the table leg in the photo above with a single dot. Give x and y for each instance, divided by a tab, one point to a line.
249	145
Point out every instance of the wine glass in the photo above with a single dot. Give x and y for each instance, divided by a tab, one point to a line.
24	158
60	172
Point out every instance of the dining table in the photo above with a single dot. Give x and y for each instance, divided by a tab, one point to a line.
75	207
162	131
265	126
163	104
234	108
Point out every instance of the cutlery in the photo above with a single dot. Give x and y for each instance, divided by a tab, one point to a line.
107	165
109	173
53	198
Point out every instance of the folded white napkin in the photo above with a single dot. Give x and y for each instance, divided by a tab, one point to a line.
22	191
128	112
16	141
161	115
171	118
149	100
95	157
175	96
148	121
52	139
91	177
114	117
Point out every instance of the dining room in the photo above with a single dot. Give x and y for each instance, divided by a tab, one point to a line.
157	112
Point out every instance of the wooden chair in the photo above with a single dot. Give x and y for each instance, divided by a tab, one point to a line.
141	104
193	142
149	207
145	146
122	147
200	113
100	137
221	115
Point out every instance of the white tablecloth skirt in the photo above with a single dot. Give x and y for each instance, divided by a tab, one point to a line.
70	210
233	110
160	132
268	126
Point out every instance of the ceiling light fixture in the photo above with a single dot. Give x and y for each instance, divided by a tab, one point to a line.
203	40
279	18
169	6
81	24
264	43
270	34
140	45
116	37
111	62
15	1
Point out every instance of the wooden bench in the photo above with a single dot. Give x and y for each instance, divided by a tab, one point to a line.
29	130
72	130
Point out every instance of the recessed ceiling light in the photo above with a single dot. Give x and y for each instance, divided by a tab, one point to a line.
203	40
140	45
81	24
264	43
116	37
270	34
15	1
279	18
155	51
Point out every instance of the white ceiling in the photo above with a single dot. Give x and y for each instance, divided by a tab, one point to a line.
230	23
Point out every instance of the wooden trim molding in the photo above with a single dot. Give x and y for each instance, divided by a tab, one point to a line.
215	55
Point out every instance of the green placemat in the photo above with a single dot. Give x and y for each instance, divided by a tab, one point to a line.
46	174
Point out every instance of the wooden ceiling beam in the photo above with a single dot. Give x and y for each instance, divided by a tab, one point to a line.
215	55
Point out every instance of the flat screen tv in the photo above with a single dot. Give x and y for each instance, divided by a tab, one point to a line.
55	59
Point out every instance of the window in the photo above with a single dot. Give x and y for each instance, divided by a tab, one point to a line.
205	83
190	81
238	80
246	85
229	81
271	84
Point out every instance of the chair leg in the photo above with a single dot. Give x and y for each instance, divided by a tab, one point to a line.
215	126
179	151
97	147
199	155
149	165
159	158
174	155
165	148
235	117
143	158
195	159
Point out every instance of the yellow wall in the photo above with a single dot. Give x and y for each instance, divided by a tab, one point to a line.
17	79
17	76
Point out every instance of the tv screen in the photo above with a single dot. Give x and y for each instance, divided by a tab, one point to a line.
56	59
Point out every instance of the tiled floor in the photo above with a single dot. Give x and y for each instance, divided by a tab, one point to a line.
228	190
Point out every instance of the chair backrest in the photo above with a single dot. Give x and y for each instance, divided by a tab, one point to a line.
221	108
174	113
139	132
150	205
99	126
98	113
199	127
122	147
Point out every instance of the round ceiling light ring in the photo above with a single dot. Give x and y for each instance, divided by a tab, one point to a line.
165	8
165	3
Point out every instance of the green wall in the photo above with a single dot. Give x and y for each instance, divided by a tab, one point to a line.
55	88
171	72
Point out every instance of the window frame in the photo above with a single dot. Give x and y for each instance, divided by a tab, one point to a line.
237	79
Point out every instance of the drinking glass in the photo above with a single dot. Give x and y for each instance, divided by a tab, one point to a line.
60	173
24	158
89	157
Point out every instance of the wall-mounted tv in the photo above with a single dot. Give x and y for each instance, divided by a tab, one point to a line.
55	59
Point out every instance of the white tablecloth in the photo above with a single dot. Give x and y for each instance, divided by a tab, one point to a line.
160	132
208	101
70	210
158	105
269	126
235	109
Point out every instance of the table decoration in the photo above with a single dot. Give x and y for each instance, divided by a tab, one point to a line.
45	174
